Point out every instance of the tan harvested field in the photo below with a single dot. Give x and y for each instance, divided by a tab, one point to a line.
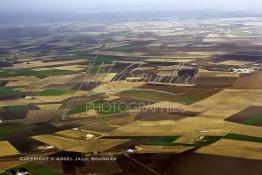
61	79
20	81
163	106
57	141
255	131
49	106
111	98
233	148
69	144
124	54
170	60
4	165
202	125
57	99
95	145
7	149
89	113
227	102
17	102
236	63
70	67
40	116
207	73
116	87
94	77
189	138
250	81
163	149
73	134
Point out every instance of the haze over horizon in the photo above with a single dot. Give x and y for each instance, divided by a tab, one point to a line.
85	6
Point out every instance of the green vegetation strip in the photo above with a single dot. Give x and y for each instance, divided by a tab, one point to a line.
39	74
207	140
147	95
55	92
241	34
125	48
169	141
100	107
163	141
243	138
16	109
12	128
255	120
5	91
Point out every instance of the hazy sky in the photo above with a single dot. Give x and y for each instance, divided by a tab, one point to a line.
113	5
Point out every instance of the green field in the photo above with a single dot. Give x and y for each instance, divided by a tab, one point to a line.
12	128
36	169
6	91
55	92
255	120
243	138
16	109
147	95
101	108
241	34
39	74
206	141
163	141
125	48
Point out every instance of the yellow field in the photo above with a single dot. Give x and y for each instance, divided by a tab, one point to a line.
72	134
227	102
69	144
20	81
236	62
61	79
233	148
95	145
72	68
57	141
6	149
205	126
163	149
49	106
116	87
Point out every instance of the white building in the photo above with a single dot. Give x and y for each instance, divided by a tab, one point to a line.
243	70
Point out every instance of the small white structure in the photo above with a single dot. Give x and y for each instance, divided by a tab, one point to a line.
21	173
131	150
243	70
50	147
89	136
75	129
28	97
